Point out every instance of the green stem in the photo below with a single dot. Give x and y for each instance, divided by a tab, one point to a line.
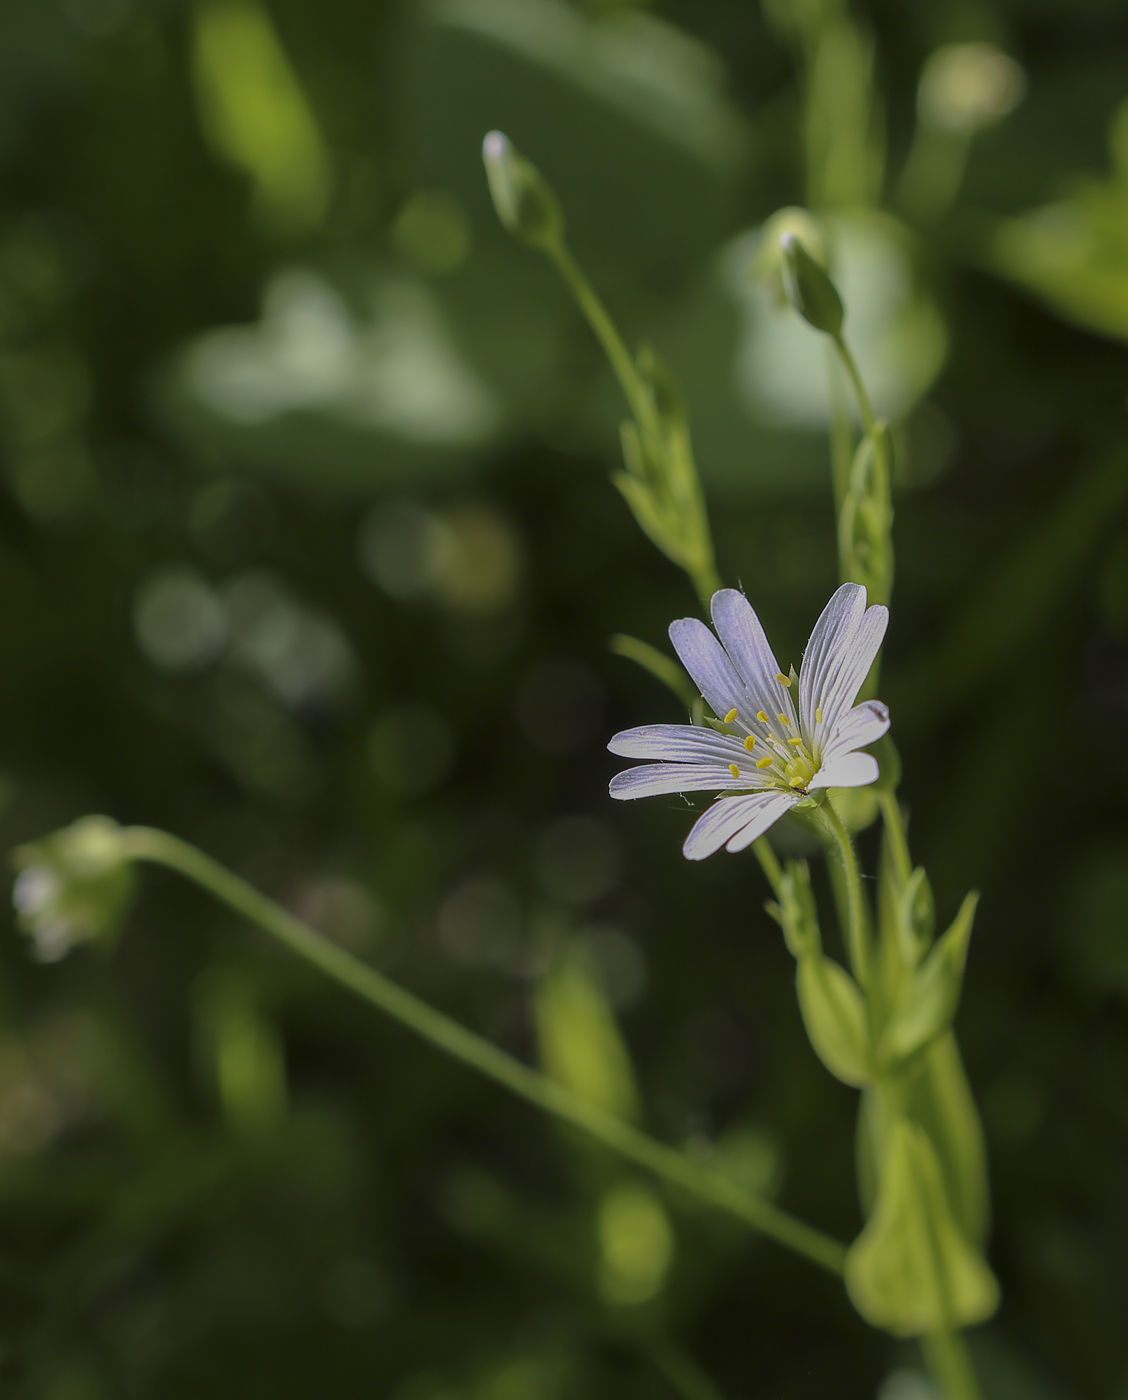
894	820
841	435
948	1360
608	336
769	863
864	405
857	930
160	848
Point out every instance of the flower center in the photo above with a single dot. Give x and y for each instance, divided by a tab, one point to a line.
799	771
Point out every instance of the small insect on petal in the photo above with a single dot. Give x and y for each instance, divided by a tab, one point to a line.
732	714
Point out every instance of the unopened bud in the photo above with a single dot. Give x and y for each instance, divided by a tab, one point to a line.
72	887
809	286
769	264
524	202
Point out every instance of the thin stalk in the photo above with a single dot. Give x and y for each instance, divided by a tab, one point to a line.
865	407
894	820
769	863
948	1360
841	434
857	920
608	336
160	848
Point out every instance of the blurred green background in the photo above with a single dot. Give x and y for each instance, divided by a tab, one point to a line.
308	554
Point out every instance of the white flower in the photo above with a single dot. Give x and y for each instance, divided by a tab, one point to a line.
771	754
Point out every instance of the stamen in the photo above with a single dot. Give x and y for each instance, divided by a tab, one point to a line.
732	714
734	770
818	714
784	680
797	742
762	716
750	742
798	782
765	762
784	720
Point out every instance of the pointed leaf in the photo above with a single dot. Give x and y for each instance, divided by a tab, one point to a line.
934	992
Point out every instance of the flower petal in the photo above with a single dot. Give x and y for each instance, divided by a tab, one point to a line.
772	806
726	819
707	662
851	770
837	623
844	672
680	743
739	629
653	779
860	726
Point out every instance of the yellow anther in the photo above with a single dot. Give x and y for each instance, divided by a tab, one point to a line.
762	716
783	680
797	742
732	714
818	715
750	742
784	720
798	782
734	770
765	762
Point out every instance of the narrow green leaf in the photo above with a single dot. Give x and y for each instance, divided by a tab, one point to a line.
934	992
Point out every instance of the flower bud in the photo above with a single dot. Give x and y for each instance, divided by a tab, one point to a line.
524	202
769	263
72	887
809	286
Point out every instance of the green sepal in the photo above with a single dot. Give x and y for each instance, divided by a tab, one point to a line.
665	395
796	912
808	284
916	918
933	993
834	1013
912	1270
523	199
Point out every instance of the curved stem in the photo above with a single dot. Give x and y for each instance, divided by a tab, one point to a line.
864	405
160	848
605	330
857	922
948	1360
